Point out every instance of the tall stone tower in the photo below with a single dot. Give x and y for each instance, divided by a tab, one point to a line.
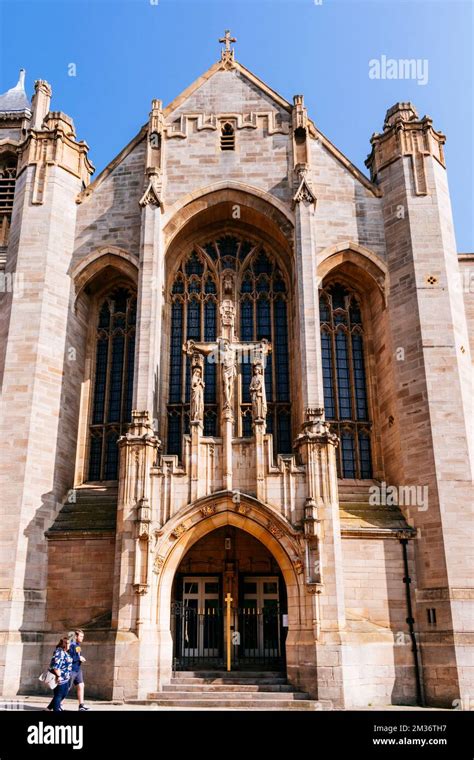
36	454
434	382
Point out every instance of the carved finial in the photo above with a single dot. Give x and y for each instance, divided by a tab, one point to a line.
227	53
227	39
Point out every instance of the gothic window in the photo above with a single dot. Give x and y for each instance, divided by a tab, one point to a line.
113	381
264	314
344	379
193	317
235	269
227	137
7	194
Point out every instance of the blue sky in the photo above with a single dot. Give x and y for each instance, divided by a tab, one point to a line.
128	52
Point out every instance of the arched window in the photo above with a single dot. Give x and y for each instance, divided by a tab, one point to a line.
227	137
113	381
193	317
264	314
239	270
344	378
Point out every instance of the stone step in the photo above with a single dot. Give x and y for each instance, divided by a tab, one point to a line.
248	675
237	687
231	703
277	682
258	696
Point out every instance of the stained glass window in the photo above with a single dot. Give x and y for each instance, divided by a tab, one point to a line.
264	314
193	317
344	379
113	382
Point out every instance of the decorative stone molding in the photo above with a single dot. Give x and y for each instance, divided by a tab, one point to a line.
208	510
152	194
179	531
314	588
275	530
304	193
242	509
140	588
405	134
181	127
54	145
298	565
316	429
158	564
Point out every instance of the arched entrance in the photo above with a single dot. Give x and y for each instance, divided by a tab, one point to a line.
247	631
277	547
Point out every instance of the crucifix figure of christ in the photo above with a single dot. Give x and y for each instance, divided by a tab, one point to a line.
226	353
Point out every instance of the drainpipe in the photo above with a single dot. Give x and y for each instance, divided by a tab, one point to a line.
411	620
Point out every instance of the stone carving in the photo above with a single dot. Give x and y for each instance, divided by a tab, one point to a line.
227	311
152	193
304	192
208	510
229	371
158	564
275	530
258	394
299	566
197	389
242	509
179	530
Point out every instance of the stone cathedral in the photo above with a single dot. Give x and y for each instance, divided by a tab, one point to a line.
236	420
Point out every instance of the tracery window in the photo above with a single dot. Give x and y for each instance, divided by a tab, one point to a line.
264	314
240	270
344	378
113	381
193	317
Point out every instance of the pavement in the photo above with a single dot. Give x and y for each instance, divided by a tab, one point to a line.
39	703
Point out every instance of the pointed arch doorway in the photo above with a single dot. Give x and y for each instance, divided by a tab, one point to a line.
246	632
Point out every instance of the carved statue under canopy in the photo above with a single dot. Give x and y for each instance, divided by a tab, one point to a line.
258	394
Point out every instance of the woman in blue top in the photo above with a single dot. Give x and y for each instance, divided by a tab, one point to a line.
61	664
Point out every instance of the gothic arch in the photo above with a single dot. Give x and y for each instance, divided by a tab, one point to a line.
92	265
368	267
104	271
364	274
253	198
250	515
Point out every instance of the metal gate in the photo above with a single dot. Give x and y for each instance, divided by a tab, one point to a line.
200	642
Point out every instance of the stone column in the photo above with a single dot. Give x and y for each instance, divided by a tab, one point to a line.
135	672
151	278
433	379
324	576
309	375
37	439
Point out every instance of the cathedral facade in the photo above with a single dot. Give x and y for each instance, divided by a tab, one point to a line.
236	420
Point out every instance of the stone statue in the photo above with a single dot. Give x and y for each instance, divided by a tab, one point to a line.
227	311
197	394
258	394
229	371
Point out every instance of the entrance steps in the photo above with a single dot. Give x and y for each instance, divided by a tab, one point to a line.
245	690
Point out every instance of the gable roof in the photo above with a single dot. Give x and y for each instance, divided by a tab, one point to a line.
221	65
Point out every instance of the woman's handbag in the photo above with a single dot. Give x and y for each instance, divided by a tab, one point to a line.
49	679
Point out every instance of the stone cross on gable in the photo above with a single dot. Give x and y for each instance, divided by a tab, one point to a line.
227	39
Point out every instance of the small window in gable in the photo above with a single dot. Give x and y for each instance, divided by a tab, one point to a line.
227	137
